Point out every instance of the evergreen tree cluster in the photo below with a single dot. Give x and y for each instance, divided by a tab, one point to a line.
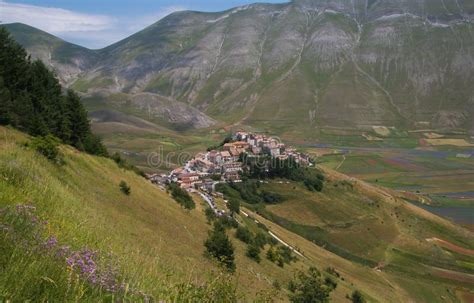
31	99
269	167
248	191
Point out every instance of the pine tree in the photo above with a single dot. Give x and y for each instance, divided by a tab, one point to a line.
49	102
31	99
78	118
5	104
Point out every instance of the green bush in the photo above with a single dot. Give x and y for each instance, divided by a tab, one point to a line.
271	198
48	147
219	247
357	297
181	196
210	215
260	239
227	222
271	254
281	255
234	206
286	254
243	234
125	188
333	271
330	281
253	252
309	287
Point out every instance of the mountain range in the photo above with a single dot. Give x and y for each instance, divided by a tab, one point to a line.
300	65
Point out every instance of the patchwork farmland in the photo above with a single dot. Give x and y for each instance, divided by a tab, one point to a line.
435	176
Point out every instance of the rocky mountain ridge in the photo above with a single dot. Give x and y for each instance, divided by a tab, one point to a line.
299	65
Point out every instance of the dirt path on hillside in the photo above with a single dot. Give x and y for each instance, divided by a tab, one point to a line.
342	162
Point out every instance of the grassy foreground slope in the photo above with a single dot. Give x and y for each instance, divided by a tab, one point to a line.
155	244
84	206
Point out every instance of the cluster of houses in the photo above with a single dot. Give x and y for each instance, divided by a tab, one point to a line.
223	165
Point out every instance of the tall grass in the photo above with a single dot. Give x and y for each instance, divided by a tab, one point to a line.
53	246
36	266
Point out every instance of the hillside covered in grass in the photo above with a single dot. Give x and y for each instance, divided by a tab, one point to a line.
58	217
60	221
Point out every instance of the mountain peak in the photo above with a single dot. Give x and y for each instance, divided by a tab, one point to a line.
300	62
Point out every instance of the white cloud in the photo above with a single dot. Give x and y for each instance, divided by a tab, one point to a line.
54	20
90	30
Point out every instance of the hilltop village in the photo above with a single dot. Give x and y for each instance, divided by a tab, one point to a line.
224	164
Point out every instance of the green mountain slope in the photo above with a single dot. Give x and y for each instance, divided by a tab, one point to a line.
303	64
66	59
156	245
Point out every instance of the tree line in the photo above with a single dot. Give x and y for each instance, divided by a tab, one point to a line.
32	100
265	167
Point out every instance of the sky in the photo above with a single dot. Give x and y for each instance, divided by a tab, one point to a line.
98	23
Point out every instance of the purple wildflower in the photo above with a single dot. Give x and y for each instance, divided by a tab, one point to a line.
50	243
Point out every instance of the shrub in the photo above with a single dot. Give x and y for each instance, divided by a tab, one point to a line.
47	146
125	188
271	198
260	240
281	255
271	254
330	281
181	196
286	254
253	252
234	206
357	297
227	222
333	271
243	234
210	215
93	145
219	246
272	241
309	287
